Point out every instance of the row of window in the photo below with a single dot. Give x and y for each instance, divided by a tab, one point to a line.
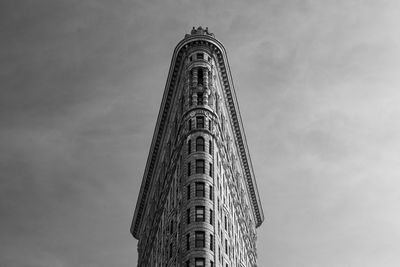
200	190
200	123
200	240
199	56
199	262
200	215
200	167
202	75
200	145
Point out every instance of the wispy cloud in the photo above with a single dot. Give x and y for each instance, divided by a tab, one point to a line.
81	84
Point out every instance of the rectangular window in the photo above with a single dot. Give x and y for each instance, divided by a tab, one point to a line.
199	237
211	216
200	76
200	122
182	103
225	223
211	264
190	124
199	98
210	147
188	191
200	192
170	250
189	147
200	56
187	263
211	242
209	125
187	241
199	214
188	216
199	262
211	192
200	168
189	169
226	246
211	170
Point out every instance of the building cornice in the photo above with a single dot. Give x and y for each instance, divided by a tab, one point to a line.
233	109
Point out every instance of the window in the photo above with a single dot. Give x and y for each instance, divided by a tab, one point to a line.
226	246
172	227
211	216
200	192
209	59
200	166
209	126
200	216
199	98
190	124
211	264
210	147
190	58
211	242
188	263
189	170
188	191
200	77
200	122
211	170
225	223
199	237
200	144
170	250
211	192
200	56
189	147
199	262
187	241
188	216
182	103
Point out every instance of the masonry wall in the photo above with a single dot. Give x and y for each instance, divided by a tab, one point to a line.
199	211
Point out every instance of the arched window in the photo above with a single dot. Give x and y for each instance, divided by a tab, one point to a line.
199	144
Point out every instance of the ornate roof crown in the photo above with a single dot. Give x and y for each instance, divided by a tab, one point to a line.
200	31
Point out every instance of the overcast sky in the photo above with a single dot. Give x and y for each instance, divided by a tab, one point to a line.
318	88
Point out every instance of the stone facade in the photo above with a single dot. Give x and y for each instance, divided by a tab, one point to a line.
198	204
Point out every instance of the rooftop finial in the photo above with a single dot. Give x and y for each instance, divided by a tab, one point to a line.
199	31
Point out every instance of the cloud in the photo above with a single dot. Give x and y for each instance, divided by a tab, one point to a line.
317	86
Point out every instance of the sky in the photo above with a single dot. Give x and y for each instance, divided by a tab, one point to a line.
318	90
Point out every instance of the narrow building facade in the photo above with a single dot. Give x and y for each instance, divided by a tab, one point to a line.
198	203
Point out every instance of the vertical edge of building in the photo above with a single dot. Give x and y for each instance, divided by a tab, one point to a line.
198	203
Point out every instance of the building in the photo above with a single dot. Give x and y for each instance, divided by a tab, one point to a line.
198	203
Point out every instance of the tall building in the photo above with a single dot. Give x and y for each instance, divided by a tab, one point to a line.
198	203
